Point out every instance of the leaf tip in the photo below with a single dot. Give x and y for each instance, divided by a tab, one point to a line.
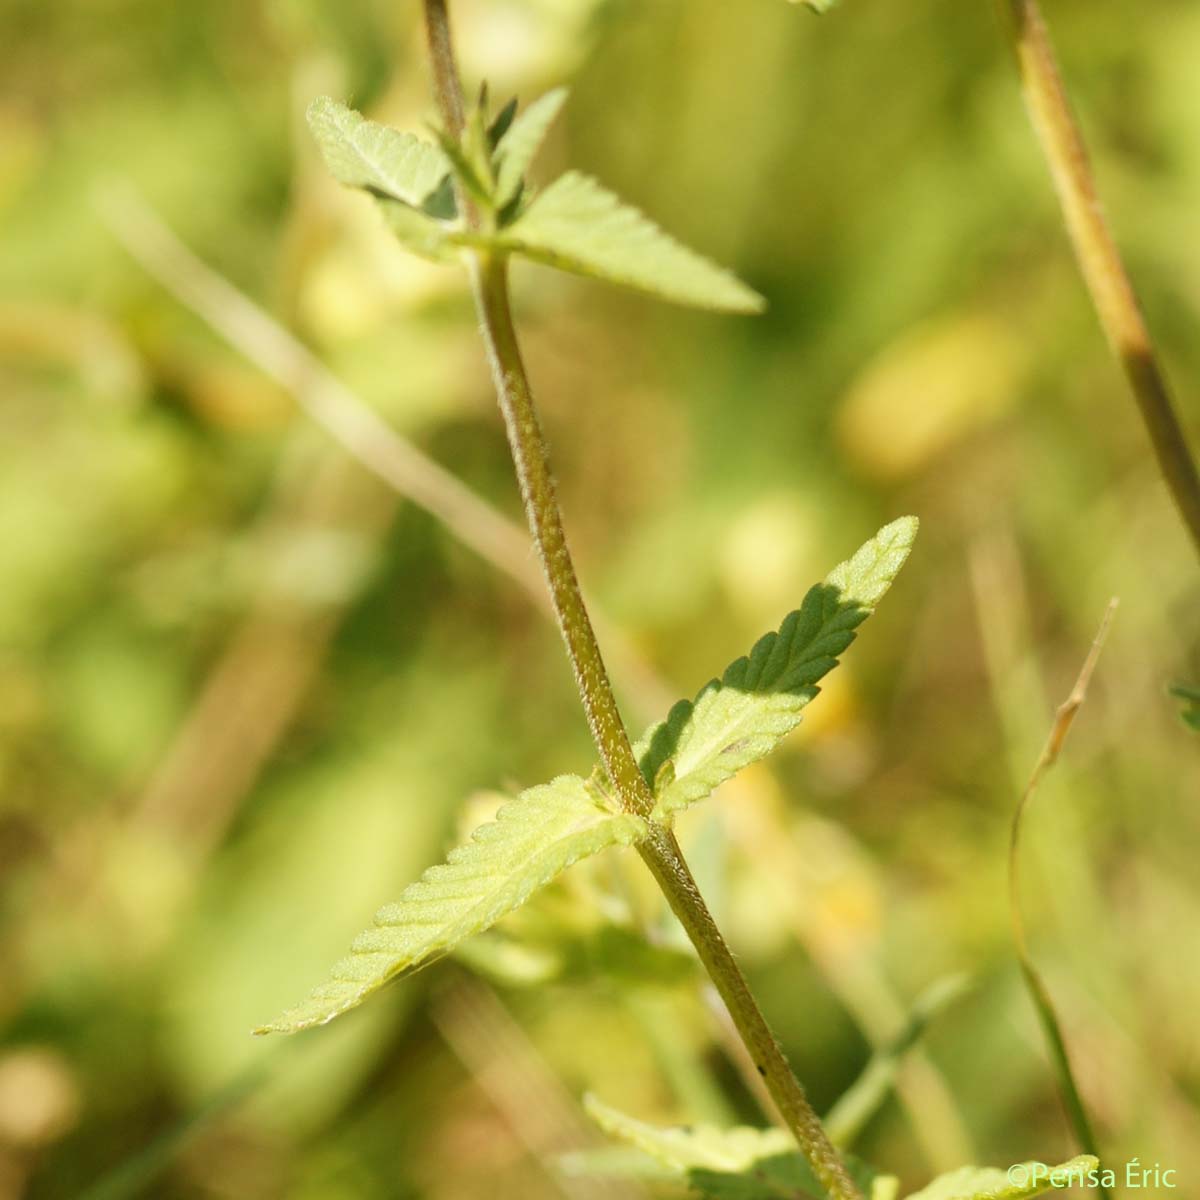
318	109
901	533
904	527
752	303
862	581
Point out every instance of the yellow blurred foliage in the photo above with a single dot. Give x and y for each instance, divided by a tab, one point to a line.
926	390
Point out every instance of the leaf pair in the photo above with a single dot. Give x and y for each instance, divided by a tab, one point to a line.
575	224
765	1164
734	721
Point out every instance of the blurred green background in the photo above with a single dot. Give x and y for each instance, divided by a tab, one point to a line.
247	692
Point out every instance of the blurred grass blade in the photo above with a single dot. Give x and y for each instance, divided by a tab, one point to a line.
742	717
1063	719
140	1170
577	225
533	838
1017	1183
859	1103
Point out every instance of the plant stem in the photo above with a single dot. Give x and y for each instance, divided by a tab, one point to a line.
1047	1016
447	88
489	281
1099	259
660	851
662	855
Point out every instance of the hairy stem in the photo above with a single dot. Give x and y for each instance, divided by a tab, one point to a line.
661	851
662	855
489	281
1097	253
447	89
489	278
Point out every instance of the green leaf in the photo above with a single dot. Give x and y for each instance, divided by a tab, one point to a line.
1017	1183
687	1146
520	143
742	717
732	1164
363	154
533	838
469	166
418	232
579	226
500	125
1190	695
817	6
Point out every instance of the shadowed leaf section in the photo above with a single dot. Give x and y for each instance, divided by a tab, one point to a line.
1190	697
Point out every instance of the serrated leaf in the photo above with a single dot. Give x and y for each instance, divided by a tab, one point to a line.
683	1147
520	143
732	1164
364	154
742	717
533	838
1017	1183
579	226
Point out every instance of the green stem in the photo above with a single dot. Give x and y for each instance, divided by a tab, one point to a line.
489	281
660	851
662	855
1047	1015
1099	259
447	88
